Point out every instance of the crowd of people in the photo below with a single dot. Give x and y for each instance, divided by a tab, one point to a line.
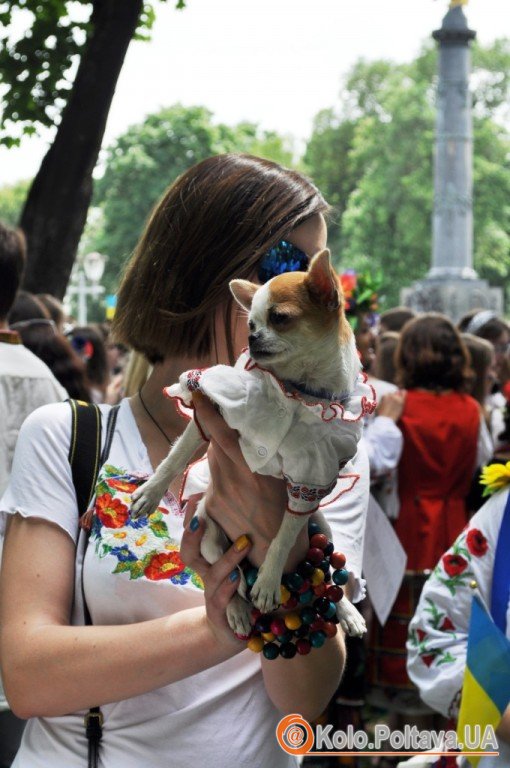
128	616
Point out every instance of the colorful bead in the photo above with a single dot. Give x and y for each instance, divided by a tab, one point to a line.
305	586
337	560
293	580
271	651
321	605
313	528
303	647
292	620
317	639
315	555
341	577
268	636
330	629
331	611
288	650
285	637
284	594
319	540
291	603
251	576
305	569
334	593
278	626
306	597
255	644
329	549
308	615
317	577
320	590
317	625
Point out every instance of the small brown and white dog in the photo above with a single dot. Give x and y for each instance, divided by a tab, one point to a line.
296	385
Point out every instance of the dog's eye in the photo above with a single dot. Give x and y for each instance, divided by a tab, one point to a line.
278	318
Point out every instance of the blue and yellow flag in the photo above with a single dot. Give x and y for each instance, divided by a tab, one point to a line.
486	689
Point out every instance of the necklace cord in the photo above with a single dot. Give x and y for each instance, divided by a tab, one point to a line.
151	417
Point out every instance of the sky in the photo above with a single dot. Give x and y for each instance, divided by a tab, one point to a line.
273	62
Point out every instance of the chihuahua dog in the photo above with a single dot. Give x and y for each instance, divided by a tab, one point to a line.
291	400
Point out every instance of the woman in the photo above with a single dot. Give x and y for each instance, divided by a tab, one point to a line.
443	431
160	659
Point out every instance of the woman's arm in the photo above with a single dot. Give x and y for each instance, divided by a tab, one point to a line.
50	668
238	498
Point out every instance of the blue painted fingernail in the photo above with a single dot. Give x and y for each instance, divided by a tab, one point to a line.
194	523
234	575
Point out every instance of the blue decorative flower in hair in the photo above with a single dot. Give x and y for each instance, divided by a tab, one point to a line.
283	257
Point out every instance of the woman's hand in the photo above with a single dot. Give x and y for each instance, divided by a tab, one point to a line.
220	579
239	500
392	405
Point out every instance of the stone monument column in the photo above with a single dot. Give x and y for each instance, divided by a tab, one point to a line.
452	223
452	285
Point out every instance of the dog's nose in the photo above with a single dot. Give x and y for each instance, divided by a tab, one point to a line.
254	337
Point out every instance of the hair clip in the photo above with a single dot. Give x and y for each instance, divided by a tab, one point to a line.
283	257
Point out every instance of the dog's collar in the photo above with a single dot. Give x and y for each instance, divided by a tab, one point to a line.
318	394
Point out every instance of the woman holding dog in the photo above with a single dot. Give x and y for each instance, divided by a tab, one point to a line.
159	658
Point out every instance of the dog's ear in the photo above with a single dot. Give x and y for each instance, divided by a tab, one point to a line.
243	292
322	283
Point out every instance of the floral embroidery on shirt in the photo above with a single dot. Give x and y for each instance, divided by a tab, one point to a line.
421	640
143	547
454	569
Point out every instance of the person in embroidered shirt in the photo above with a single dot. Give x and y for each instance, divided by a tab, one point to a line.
25	384
160	659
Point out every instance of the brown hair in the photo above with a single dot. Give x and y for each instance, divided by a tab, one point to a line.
432	355
481	353
12	265
213	224
491	329
395	319
384	366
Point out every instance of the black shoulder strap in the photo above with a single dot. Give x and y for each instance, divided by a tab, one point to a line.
85	450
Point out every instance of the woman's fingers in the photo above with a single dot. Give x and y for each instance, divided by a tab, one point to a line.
217	428
222	568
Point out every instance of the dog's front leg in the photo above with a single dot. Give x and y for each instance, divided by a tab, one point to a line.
147	497
265	593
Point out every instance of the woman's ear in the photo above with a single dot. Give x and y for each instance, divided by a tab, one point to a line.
322	282
243	292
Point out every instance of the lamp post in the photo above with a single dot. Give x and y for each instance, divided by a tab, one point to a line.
90	272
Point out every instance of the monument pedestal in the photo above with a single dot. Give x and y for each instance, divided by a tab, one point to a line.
453	296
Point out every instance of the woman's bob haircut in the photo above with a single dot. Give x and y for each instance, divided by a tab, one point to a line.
431	355
213	224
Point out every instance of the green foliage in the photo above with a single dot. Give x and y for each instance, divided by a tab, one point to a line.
37	67
146	159
12	199
373	159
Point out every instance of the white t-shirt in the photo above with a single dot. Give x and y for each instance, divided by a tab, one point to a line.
219	717
26	383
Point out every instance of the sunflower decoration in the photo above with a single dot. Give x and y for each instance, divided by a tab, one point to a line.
361	295
495	477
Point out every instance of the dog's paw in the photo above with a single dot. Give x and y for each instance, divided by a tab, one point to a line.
146	499
238	616
351	620
266	592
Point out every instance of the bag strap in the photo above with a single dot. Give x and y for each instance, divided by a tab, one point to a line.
84	451
86	459
501	572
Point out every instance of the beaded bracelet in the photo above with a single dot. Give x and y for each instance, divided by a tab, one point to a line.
313	591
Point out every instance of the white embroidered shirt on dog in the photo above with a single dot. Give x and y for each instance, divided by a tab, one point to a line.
283	432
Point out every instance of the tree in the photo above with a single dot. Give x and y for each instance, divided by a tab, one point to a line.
372	157
37	70
142	162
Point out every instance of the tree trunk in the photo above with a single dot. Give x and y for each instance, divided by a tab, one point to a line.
56	207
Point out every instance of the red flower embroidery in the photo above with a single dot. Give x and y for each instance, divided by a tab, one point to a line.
112	512
164	566
454	565
476	542
447	625
428	658
122	485
421	635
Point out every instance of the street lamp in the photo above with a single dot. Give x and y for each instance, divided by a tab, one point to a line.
91	268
